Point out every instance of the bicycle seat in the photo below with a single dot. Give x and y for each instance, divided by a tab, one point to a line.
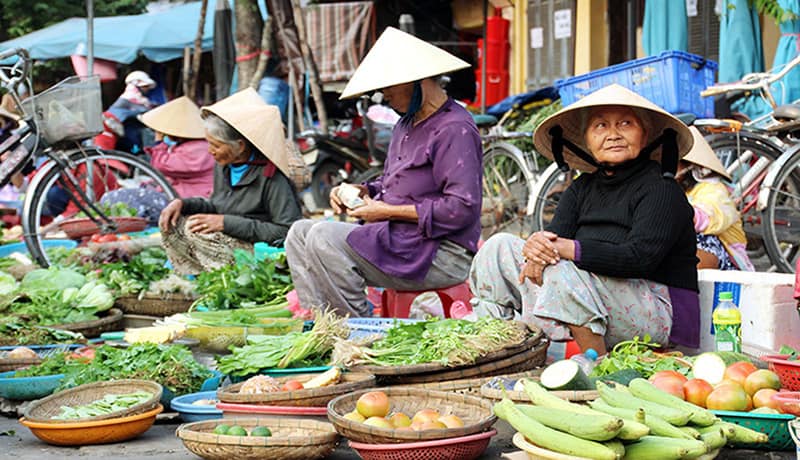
787	112
484	121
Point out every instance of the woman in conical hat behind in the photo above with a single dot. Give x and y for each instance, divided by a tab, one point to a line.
253	200
721	242
182	152
618	259
422	217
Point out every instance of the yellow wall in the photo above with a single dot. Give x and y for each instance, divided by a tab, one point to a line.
591	36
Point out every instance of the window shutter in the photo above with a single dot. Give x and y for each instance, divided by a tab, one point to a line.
556	57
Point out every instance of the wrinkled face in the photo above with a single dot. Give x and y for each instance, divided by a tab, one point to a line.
224	153
614	134
399	96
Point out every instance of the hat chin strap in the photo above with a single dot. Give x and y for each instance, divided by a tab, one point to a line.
668	140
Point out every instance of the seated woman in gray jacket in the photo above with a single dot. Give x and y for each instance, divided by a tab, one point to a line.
252	201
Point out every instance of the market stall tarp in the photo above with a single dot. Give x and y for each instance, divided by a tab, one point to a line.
665	27
788	89
339	35
740	50
159	36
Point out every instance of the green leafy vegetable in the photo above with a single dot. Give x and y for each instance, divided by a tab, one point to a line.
246	284
639	355
118	209
109	404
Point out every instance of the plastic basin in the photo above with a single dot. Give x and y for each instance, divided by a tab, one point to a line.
211	384
28	388
196	413
7	249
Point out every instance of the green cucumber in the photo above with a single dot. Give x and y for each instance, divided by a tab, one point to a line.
643	389
549	438
565	375
658	426
623	376
618	398
599	427
659	448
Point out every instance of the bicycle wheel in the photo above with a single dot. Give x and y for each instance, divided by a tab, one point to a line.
506	190
121	169
781	215
547	193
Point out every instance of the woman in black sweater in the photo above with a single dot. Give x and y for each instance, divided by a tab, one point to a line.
618	259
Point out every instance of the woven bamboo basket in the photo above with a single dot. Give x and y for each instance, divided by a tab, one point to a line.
534	337
155	305
44	409
292	439
83	226
476	413
109	322
471	386
311	397
529	359
8	364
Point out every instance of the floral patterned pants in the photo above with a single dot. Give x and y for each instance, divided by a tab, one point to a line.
616	308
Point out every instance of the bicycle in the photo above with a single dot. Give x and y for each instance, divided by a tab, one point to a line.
50	131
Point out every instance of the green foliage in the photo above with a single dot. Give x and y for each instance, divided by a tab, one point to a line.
772	9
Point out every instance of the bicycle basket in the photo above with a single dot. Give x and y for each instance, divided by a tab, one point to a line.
72	109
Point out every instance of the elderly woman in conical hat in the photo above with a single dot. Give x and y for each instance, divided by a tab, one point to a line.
181	154
618	259
421	219
253	200
721	241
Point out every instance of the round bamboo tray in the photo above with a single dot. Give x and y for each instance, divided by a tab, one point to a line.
110	322
7	364
529	342
311	397
43	410
83	226
476	413
490	392
540	453
471	386
529	359
292	439
154	305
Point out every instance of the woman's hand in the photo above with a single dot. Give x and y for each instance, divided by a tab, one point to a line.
372	211
169	215
532	271
336	202
540	248
206	223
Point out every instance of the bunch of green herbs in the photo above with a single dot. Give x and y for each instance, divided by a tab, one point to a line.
640	355
16	333
134	276
110	403
248	283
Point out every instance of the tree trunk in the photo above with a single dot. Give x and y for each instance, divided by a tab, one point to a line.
311	66
266	44
198	50
248	39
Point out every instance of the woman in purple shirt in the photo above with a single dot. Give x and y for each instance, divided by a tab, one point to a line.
421	218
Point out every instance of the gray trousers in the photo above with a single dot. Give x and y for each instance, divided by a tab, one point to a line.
327	271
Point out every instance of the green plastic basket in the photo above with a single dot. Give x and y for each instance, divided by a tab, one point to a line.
776	426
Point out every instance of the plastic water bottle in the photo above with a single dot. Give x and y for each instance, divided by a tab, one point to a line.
727	324
586	360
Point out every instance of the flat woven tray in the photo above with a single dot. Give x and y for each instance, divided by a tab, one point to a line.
83	226
292	439
311	397
44	409
471	386
476	413
10	364
528	359
109	322
155	306
530	341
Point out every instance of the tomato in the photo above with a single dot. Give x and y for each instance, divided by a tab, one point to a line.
292	385
110	238
124	237
95	238
84	354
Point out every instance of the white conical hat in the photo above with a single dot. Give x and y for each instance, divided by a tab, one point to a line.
703	155
177	118
257	121
572	117
396	58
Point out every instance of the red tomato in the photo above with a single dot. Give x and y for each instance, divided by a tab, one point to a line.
110	238
124	237
95	238
292	385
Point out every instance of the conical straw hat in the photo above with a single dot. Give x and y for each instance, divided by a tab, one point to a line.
572	118
177	118
396	58
703	155
257	121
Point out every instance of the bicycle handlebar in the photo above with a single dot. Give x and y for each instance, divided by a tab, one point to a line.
753	81
12	77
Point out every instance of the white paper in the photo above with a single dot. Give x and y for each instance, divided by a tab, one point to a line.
562	24
537	37
691	8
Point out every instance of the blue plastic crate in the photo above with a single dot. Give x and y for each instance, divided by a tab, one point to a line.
361	327
672	80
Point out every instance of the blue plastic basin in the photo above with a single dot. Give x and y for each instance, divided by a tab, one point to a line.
194	413
7	249
27	388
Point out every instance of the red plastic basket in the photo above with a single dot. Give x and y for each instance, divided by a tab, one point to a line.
788	371
788	402
82	227
460	448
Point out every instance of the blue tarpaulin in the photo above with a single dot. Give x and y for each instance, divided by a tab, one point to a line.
665	27
159	36
739	41
788	89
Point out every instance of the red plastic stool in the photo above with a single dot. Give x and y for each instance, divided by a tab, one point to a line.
572	348
397	304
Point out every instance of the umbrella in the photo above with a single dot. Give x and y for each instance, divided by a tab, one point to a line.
665	26
224	53
788	89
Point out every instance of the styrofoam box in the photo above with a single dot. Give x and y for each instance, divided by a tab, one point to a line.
769	312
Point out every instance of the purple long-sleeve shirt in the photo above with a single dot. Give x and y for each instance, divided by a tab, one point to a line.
436	166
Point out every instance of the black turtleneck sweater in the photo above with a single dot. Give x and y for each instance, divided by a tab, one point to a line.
632	224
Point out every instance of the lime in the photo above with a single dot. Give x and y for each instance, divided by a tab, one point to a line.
236	430
221	429
260	431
